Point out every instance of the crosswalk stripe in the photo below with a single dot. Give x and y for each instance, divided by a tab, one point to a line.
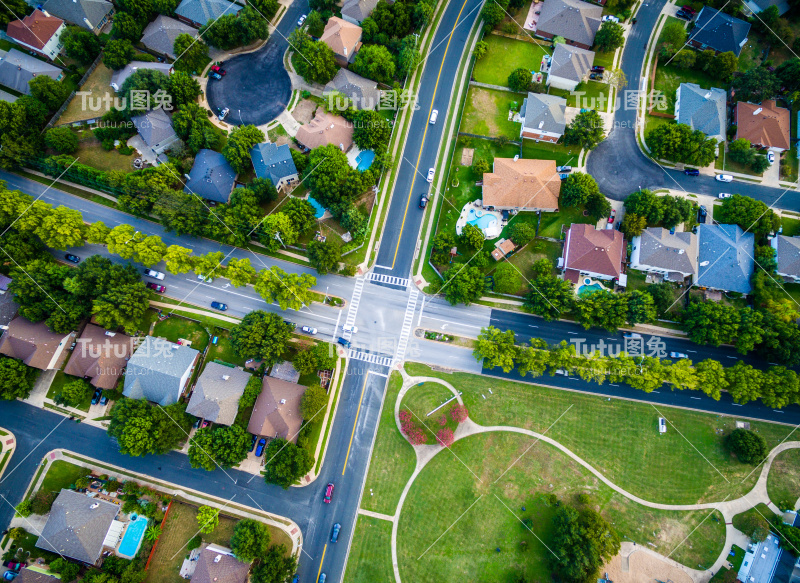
407	325
352	310
390	279
371	358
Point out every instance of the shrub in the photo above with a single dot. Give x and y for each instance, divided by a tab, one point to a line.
42	502
404	416
445	437
747	445
459	413
24	508
443	420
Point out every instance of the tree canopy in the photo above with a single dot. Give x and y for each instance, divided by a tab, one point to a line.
261	335
286	463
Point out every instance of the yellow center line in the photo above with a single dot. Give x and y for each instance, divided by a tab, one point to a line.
325	548
425	132
358	411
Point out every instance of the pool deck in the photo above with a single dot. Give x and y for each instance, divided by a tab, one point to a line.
492	231
352	157
128	525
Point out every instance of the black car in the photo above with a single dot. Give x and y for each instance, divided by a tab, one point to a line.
598	69
423	201
104	400
692	172
683	14
219	306
96	397
291	324
701	214
72	258
252	444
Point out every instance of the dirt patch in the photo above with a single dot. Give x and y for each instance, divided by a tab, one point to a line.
304	111
98	84
466	156
643	567
281	140
485	109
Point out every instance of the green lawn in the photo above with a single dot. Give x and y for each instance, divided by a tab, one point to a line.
592	90
503	57
90	152
422	400
563	155
636	280
147	320
486	113
602	59
26	548
740	520
524	259
58	384
551	223
783	482
791	227
176	327
223	349
62	474
669	77
370	558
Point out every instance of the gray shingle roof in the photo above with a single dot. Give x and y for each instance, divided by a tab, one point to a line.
364	93
545	113
216	394
273	162
77	526
6	96
571	62
160	35
201	11
788	255
17	68
155	127
211	177
574	20
217	564
726	257
119	77
29	576
155	370
719	31
358	10
677	252
75	11
702	109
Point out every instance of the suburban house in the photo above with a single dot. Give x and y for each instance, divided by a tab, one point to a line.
39	32
787	254
344	39
674	255
155	128
275	163
702	109
543	117
211	177
119	77
593	253
34	344
718	31
756	6
354	11
17	68
160	35
726	258
215	397
216	564
159	371
569	66
89	14
577	22
27	575
100	356
77	527
6	96
8	307
363	93
325	129
522	185
277	410
765	125
199	12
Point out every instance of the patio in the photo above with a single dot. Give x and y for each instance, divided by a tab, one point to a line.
532	20
490	222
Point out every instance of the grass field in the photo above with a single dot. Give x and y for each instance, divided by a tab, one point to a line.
503	57
760	511
563	155
98	84
62	474
486	113
90	152
783	482
669	77
223	349
551	223
370	558
176	327
58	384
525	259
591	98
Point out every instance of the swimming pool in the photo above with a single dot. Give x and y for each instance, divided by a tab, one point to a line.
318	208
587	289
132	539
480	219
364	160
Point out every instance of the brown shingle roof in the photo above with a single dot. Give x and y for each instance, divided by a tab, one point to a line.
530	184
326	129
34	344
769	127
341	36
587	249
277	410
502	248
100	357
217	564
34	30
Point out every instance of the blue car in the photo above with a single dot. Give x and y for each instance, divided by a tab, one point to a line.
219	306
96	397
252	443
692	172
260	448
335	532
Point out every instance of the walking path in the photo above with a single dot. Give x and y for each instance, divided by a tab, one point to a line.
215	315
8	443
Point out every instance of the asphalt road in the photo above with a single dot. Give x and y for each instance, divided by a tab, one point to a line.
256	87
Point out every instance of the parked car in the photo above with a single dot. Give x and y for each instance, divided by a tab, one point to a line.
328	493
596	76
153	273
205	278
609	17
219	306
684	15
692	172
430	174
104	400
219	70
156	287
423	200
613	214
343	342
724	178
72	258
598	69
724	195
302	19
205	424
563	176
771	157
335	532
224	112
566	169
9	575
351	329
96	397
322	578
678	355
215	76
252	443
308	330
689	9
260	447
434	115
291	324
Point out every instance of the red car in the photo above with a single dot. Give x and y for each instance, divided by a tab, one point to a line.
217	69
613	214
156	287
689	9
328	494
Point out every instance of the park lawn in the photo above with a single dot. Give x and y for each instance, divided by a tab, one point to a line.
551	223
223	349
91	153
393	458
563	155
99	85
62	474
504	56
177	327
525	258
370	557
666	468
783	482
422	400
486	113
57	385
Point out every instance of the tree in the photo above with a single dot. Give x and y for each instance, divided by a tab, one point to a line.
481	47
586	130
118	53
788	72
441	245
464	284
74	392
127	26
582	542
49	91
492	14
680	143
711	378
495	348
597	206
756	85
142	429
725	65
16	379
748	446
261	335
685	59
751	522
250	539
42	502
610	36
150	250
62	139
480	166
81	45
603	309
62	228
275	567
549	297
519	80
673	38
371	130
575	190
237	149
219	447
750	214
314	24
152	533
744	382
472	237
240	272
192	53
324	256
314	402
750	330
317	62
235	30
69	571
183	88
178	259
277	230
409	57
375	62
641	308
711	323
290	290
286	463
123	306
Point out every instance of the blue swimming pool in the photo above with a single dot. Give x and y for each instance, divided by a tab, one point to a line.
589	289
318	208
483	221
133	536
364	160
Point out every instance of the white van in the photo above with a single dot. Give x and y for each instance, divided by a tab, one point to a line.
434	115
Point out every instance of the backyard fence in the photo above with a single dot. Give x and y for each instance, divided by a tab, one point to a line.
69	99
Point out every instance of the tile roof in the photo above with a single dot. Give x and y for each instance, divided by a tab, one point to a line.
341	36
77	526
364	93
765	125
155	371
4	281
17	68
100	357
570	62
79	11
217	564
676	252
216	395
201	11
325	129
587	249
277	410
522	183
155	127
211	177
788	255
545	113
358	10
574	20
35	29
119	77
703	109
726	257
160	35
273	162
719	31
33	343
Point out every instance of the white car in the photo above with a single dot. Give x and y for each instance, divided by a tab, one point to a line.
430	175
302	20
771	157
224	113
153	273
678	355
351	329
724	178
608	17
205	278
724	195
308	330
434	115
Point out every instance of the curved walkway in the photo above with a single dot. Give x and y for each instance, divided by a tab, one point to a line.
728	508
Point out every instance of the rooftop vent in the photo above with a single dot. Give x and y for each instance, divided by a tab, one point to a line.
758	110
707	95
225	377
283	401
541	124
217	559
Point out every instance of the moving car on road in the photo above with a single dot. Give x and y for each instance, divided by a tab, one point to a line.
301	20
343	342
156	287
219	306
72	258
434	115
678	355
335	532
351	329
724	177
692	172
153	273
205	278
328	493
308	330
430	174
